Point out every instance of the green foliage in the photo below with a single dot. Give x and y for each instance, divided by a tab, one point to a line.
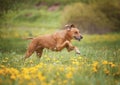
111	10
95	17
6	5
33	14
34	18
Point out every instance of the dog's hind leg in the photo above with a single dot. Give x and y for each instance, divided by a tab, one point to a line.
28	54
39	52
30	50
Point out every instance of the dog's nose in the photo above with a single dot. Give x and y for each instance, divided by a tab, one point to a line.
81	37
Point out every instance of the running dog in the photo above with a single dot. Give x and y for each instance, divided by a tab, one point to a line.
55	42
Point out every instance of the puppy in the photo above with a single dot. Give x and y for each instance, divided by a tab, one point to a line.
55	42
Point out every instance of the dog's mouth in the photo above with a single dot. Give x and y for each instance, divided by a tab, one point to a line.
78	38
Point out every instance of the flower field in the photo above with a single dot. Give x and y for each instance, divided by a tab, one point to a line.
98	63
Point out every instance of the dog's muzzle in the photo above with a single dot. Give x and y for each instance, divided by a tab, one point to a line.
78	37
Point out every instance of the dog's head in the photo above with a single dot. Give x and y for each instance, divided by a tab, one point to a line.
73	32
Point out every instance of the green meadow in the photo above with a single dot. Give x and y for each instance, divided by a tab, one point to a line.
98	63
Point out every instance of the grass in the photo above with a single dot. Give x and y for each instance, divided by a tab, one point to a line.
29	18
97	64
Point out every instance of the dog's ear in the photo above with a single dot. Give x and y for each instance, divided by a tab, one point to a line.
68	27
72	26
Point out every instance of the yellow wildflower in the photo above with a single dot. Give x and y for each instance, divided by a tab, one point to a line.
69	75
41	65
105	62
41	77
112	64
13	77
72	69
27	77
80	58
48	59
75	62
95	65
2	72
94	69
61	68
13	71
106	71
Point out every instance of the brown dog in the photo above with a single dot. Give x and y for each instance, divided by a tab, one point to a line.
55	42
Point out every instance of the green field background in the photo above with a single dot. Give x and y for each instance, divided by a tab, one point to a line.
98	63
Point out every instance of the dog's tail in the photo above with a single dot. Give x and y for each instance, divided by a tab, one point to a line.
29	38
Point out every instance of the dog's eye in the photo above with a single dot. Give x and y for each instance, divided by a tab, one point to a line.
76	32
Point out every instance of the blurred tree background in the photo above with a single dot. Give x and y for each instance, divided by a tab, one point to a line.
91	16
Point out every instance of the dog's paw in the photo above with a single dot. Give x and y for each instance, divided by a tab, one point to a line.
77	52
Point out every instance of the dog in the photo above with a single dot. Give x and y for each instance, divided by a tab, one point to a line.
55	42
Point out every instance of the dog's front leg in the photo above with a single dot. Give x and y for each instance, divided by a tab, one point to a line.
73	48
69	47
76	50
60	46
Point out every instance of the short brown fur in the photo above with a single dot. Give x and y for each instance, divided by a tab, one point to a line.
55	42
